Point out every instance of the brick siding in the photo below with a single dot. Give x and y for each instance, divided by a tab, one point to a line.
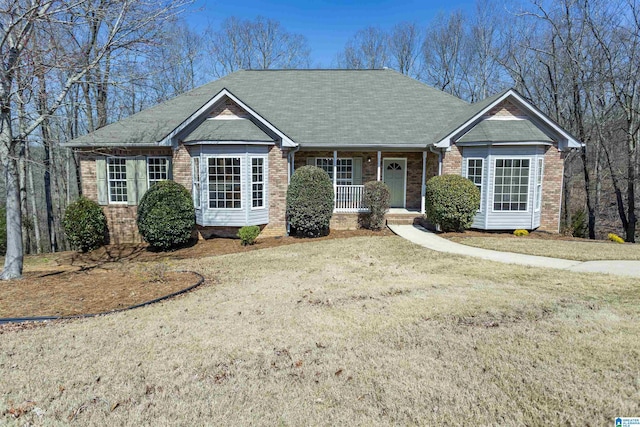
552	190
506	109
452	161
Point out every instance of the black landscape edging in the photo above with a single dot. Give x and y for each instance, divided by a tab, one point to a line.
83	316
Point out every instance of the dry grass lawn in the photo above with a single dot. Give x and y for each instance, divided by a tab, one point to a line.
575	250
361	331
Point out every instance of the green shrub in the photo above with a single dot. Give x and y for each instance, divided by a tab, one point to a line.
579	225
166	216
452	202
310	202
84	224
3	231
615	238
520	233
248	234
377	198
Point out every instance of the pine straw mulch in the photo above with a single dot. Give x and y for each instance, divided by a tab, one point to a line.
540	235
118	276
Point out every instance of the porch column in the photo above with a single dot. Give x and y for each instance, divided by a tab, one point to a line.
379	167
335	169
424	185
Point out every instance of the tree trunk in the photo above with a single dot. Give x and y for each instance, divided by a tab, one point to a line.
34	209
630	230
14	256
587	187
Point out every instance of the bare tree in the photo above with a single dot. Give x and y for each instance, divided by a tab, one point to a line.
404	48
367	49
255	45
122	25
446	54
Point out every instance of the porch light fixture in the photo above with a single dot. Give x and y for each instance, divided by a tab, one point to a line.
368	159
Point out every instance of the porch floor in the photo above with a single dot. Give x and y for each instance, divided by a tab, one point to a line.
400	211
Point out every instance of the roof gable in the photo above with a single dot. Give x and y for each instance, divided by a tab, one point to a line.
509	104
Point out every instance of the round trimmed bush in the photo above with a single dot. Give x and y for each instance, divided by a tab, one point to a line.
3	231
378	199
84	224
310	202
452	202
166	216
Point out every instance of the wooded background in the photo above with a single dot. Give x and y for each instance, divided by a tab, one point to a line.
72	67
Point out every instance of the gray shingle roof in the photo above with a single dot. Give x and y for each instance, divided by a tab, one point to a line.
340	107
227	130
505	131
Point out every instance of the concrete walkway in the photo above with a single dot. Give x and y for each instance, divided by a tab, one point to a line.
423	237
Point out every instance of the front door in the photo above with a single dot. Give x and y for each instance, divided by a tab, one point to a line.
394	176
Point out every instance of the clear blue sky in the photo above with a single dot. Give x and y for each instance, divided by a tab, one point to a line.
327	24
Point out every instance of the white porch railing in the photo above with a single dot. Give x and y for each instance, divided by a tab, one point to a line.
349	198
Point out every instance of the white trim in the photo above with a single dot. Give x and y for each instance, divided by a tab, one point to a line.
208	193
423	185
207	142
263	182
197	173
126	188
168	140
403	159
227	117
496	117
379	165
483	177
571	142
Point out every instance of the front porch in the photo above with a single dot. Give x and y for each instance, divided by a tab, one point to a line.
405	172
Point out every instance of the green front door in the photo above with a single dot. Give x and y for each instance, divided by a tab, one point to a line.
394	177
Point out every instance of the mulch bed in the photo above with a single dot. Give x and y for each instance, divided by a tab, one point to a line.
118	276
541	235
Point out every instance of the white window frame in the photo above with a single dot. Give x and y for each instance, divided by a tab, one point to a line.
242	190
466	175
263	159
109	181
329	160
495	175
196	187
167	162
540	171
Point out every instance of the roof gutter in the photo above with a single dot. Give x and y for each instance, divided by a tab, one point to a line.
112	144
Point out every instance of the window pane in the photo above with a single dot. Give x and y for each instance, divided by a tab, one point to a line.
117	171
257	182
224	183
511	185
157	169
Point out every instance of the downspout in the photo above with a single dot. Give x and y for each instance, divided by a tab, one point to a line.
290	170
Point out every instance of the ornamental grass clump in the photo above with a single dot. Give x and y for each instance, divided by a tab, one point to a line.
84	225
310	201
166	216
452	202
377	198
248	234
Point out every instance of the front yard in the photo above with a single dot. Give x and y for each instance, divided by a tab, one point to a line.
538	244
359	331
